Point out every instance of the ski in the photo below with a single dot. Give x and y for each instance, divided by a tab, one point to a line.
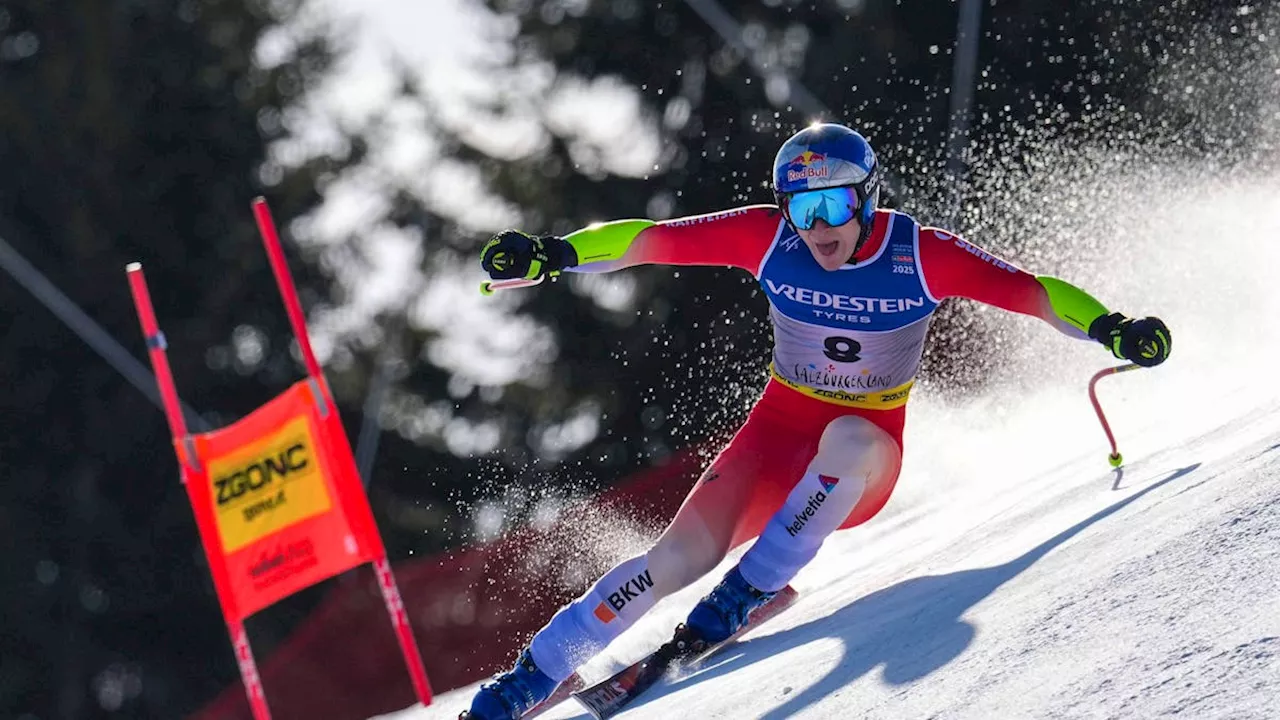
611	695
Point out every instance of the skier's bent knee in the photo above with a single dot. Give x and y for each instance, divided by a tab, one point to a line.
853	446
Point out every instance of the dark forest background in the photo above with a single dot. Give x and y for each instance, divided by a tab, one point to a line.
141	129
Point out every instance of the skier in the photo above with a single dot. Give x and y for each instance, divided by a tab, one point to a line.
851	290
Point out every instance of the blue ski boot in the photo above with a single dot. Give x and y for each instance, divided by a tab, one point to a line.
724	610
513	693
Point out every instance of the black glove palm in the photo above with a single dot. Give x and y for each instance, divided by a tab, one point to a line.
1144	342
513	254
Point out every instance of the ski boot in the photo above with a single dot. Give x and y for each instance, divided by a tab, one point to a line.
724	610
685	644
511	694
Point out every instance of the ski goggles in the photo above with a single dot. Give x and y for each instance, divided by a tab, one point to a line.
836	206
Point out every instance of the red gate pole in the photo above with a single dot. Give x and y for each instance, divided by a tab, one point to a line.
156	346
386	580
284	280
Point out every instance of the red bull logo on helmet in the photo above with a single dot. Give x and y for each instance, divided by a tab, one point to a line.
807	164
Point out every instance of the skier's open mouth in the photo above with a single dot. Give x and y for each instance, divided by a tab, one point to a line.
828	249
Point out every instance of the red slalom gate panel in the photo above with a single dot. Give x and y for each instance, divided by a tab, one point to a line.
287	506
276	496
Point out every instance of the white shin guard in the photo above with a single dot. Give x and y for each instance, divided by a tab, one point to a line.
815	508
584	627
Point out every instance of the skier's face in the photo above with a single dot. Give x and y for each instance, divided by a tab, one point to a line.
831	246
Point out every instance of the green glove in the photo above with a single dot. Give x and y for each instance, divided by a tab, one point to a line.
1144	342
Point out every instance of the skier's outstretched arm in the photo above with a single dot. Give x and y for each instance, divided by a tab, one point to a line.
733	238
953	267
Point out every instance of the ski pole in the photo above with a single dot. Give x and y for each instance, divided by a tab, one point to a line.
1115	458
488	287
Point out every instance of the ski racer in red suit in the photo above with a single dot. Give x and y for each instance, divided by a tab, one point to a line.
851	290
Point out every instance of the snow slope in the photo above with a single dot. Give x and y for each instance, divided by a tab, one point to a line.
1142	593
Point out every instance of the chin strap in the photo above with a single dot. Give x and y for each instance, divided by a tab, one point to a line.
863	236
862	240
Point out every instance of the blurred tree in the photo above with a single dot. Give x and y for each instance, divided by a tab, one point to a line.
134	131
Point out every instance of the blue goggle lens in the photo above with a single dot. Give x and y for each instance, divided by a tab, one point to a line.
836	206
